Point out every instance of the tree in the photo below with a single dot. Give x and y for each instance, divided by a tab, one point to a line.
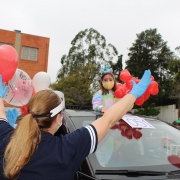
150	51
174	67
75	87
88	46
117	68
87	54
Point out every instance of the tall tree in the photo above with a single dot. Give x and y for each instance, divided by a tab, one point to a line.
75	87
150	51
117	67
174	67
84	60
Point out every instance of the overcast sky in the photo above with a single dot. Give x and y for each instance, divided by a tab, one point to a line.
117	20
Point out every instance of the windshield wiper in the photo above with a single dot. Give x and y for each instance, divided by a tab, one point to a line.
174	172
130	172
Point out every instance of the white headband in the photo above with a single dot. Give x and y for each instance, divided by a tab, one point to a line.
60	107
57	109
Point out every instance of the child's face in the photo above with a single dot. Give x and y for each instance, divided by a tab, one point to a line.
107	78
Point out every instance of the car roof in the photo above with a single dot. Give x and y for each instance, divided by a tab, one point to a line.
85	113
81	113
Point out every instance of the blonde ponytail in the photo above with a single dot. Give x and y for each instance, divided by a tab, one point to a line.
22	145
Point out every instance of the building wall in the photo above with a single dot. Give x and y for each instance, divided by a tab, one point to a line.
32	67
7	36
18	40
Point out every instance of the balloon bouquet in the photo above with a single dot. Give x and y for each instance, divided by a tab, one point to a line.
127	131
123	89
21	87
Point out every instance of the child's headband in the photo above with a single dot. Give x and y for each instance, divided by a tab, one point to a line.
106	69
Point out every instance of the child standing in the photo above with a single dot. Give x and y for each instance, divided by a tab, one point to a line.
104	98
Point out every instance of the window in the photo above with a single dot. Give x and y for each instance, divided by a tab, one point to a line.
29	53
3	43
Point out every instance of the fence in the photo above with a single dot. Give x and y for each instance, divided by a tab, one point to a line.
167	113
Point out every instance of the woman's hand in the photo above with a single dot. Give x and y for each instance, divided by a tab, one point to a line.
2	91
103	110
140	88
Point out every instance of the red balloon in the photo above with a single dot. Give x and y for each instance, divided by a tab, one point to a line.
8	62
154	91
174	160
146	95
115	126
24	110
118	85
152	77
139	101
153	88
137	134
123	132
152	85
135	79
120	92
129	84
125	75
122	126
128	133
126	89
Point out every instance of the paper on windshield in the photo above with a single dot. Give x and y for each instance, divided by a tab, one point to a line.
137	122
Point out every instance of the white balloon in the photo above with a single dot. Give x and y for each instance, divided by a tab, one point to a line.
41	81
20	89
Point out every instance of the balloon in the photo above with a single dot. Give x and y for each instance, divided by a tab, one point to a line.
174	160
123	133
33	91
135	79
120	92
129	84
125	75
118	85
137	134
126	89
24	110
8	62
122	125
146	95
41	81
153	85
128	133
154	91
20	89
139	101
152	77
115	127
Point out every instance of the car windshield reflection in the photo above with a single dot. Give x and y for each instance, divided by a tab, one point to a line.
153	147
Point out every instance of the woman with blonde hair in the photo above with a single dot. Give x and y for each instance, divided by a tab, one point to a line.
31	152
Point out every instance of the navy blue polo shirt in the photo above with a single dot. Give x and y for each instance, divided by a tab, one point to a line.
56	158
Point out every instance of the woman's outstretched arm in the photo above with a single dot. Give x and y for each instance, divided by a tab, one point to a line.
115	112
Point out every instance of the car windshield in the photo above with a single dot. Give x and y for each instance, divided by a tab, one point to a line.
152	148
